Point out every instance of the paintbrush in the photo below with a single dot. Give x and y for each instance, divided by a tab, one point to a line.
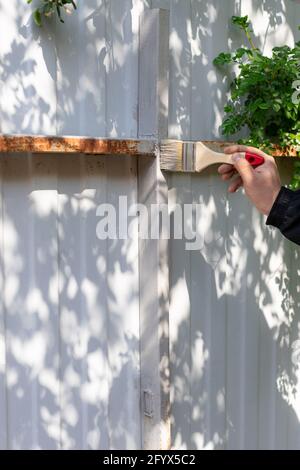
195	156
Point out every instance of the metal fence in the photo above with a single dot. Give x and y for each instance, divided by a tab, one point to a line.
70	330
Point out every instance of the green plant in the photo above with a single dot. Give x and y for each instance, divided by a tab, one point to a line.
262	95
50	7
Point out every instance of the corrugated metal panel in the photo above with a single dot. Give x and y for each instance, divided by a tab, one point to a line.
234	316
234	307
68	351
81	78
70	348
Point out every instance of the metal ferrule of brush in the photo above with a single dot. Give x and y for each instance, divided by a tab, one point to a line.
189	156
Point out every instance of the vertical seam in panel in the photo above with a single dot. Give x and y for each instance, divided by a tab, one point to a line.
138	90
243	362
82	274
226	333
190	323
291	264
258	379
140	319
108	378
107	13
190	77
56	80
105	158
32	271
208	325
4	308
139	280
190	256
58	256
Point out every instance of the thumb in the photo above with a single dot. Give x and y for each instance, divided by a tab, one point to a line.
243	167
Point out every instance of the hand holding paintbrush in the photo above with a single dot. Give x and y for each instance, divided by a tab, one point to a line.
257	171
261	185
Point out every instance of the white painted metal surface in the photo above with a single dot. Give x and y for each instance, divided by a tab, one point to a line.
234	318
81	77
70	306
153	253
69	323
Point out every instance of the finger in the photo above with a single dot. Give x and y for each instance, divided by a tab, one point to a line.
247	173
225	168
235	185
235	148
244	148
228	176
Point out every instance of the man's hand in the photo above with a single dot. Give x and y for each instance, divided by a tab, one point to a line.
261	184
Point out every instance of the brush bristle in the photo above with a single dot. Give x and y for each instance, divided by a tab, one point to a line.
177	155
171	154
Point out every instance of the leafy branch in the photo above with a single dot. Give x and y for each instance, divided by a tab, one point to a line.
243	23
262	94
50	7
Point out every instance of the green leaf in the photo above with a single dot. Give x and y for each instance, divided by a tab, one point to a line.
228	109
276	107
48	7
241	21
223	58
37	17
263	106
241	51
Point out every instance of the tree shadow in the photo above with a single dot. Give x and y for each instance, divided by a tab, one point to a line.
70	374
70	306
234	321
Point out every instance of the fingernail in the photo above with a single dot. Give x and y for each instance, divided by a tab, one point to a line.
236	157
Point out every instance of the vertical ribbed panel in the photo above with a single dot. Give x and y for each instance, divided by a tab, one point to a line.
233	324
234	387
69	315
27	72
3	396
81	77
70	308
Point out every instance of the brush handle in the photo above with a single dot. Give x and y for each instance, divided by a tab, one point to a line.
206	157
254	159
191	156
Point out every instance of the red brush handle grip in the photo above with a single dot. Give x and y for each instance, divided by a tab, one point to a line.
254	159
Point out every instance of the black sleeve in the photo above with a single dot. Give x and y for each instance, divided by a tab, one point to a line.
285	214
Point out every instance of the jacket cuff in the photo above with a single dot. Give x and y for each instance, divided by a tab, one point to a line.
279	208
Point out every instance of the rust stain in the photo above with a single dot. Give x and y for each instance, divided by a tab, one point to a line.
285	152
53	144
92	146
123	147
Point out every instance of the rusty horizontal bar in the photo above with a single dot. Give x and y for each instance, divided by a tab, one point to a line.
85	145
98	146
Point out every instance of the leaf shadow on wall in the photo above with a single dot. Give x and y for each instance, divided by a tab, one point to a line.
67	385
70	307
234	326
